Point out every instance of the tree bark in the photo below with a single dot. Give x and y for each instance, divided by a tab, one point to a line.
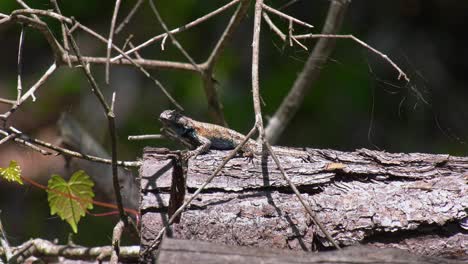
417	202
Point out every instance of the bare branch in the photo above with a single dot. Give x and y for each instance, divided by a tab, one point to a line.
214	102
44	29
129	16
75	24
116	236
30	92
4	241
309	74
255	59
179	29
258	114
273	27
24	142
171	36
401	73
40	247
288	17
64	29
33	143
299	196
111	123
20	66
7	101
145	137
111	35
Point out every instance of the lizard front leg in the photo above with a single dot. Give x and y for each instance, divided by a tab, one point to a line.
204	146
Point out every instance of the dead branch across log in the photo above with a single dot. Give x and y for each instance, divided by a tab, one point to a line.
410	201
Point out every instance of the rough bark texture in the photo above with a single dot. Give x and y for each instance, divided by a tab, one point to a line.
174	251
410	201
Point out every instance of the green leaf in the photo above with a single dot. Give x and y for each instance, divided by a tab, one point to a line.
12	172
71	199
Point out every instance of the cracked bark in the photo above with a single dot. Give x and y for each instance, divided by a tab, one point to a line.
409	201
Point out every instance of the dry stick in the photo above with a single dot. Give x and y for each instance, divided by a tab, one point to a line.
4	242
144	137
111	35
128	17
179	29
75	24
50	37
5	139
44	29
208	66
111	123
309	74
273	27
258	113
20	65
116	236
64	33
45	248
7	101
137	54
32	142
401	73
299	196
24	142
255	62
30	92
157	240
280	34
288	17
171	36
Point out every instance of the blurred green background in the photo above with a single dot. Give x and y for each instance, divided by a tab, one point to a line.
357	102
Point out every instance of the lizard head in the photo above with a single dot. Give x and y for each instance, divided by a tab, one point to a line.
175	122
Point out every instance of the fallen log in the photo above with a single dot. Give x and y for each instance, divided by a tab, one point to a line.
417	202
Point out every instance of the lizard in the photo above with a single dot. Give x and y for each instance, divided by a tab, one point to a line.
200	137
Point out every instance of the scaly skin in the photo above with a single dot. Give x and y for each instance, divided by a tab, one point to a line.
200	137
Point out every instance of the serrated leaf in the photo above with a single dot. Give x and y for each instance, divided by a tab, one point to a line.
71	199
12	172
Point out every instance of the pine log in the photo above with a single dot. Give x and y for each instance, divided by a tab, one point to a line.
417	202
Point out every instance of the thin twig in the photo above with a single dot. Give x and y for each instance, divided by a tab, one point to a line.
111	123
75	24
64	29
255	62
44	29
7	101
179	29
129	16
116	236
173	39
30	92
258	113
401	73
309	74
111	36
145	137
26	143
273	27
4	242
20	66
288	17
212	95
299	196
176	214
32	142
44	248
